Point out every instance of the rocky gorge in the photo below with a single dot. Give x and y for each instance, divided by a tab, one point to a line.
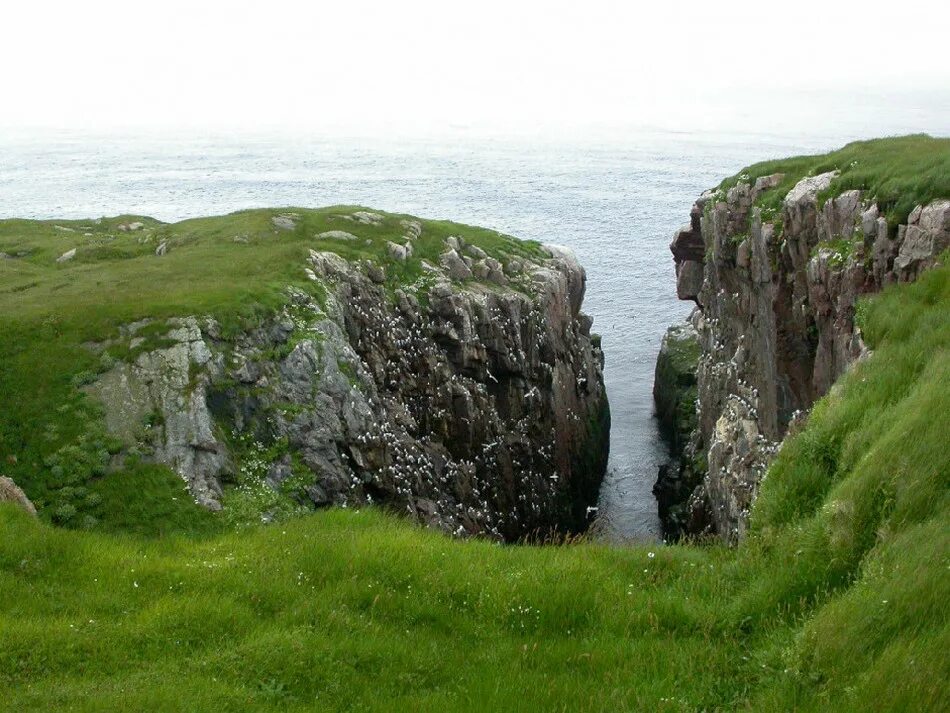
776	262
469	398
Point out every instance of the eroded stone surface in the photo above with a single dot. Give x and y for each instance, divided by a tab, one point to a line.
479	411
776	320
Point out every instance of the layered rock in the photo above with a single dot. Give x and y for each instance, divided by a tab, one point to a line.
775	318
475	407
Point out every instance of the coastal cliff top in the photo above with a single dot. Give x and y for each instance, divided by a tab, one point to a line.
897	173
114	270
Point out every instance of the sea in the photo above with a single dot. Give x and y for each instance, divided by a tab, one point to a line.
615	200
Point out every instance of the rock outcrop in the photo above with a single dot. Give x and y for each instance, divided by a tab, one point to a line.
10	492
477	408
674	392
776	293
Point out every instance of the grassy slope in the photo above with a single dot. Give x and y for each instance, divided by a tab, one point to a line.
836	602
236	267
899	173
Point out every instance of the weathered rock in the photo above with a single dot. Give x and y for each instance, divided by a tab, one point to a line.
367	217
376	273
172	381
413	228
10	492
478	411
67	256
131	227
336	235
776	323
284	222
455	266
162	248
926	237
398	252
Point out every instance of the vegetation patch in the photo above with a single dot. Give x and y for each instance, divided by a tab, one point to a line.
898	173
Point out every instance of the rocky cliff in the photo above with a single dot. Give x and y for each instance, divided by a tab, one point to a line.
471	400
775	267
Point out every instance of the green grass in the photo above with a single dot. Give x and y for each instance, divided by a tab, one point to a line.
236	268
836	601
898	173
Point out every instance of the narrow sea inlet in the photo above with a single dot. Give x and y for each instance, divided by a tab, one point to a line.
615	203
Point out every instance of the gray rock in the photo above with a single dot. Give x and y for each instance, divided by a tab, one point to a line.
767	183
926	237
67	256
367	218
496	273
376	273
10	492
776	326
172	381
455	266
476	411
284	222
413	228
336	235
162	248
131	227
399	252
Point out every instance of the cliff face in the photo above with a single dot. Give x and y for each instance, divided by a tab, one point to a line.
775	291
474	405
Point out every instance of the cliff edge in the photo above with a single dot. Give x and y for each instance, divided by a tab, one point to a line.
439	370
776	260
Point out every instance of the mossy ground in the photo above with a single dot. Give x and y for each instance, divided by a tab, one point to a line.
236	268
837	600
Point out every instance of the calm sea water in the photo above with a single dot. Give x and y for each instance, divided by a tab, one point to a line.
616	203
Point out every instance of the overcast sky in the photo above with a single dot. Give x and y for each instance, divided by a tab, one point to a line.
435	63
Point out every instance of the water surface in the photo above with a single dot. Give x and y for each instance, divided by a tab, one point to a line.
616	203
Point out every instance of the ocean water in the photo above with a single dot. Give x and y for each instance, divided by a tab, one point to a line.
616	202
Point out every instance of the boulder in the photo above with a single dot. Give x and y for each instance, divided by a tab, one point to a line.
367	217
336	235
455	266
398	252
926	237
67	256
413	228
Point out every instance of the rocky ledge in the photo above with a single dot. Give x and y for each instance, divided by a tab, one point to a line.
775	290
474	403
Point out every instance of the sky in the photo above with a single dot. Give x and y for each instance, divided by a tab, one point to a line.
427	65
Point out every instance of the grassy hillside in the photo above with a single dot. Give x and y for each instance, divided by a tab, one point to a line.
837	601
236	268
898	173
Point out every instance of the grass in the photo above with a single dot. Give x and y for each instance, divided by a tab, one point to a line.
898	173
836	601
236	268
